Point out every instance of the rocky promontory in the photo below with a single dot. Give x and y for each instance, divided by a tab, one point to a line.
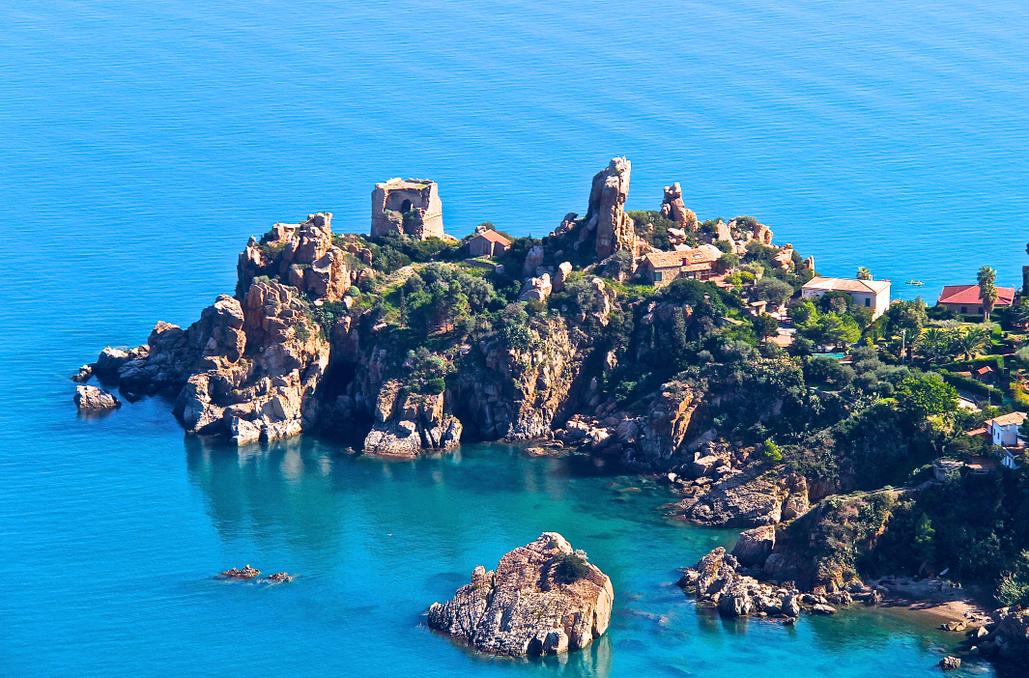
543	598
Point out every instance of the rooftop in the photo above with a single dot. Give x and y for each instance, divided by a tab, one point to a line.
397	182
705	254
1011	418
970	294
493	236
847	285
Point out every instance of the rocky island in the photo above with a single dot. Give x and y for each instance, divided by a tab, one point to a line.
808	411
543	598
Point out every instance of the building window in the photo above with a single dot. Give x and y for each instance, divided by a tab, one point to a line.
964	310
868	302
657	276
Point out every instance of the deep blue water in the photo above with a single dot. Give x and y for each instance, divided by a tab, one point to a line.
143	142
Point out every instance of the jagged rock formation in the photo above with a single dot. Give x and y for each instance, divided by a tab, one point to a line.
672	207
754	545
606	224
606	214
564	269
820	549
93	399
543	598
407	207
249	367
410	424
1006	637
301	255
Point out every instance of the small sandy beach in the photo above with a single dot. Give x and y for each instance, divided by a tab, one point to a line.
937	600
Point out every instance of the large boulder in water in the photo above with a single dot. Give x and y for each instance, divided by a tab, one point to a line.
543	598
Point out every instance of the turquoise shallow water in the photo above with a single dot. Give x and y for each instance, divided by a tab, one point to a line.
143	142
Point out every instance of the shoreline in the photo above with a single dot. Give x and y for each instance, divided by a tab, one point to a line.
934	600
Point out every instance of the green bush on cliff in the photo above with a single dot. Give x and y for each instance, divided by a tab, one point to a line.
570	568
1013	588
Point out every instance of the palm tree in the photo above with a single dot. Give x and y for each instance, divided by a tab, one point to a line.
971	341
863	273
935	344
987	278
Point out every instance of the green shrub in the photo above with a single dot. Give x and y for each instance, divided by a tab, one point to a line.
570	568
1013	588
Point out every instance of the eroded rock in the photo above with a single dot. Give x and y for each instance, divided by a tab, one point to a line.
93	399
543	598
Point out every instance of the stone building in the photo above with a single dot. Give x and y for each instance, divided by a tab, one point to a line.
487	243
407	207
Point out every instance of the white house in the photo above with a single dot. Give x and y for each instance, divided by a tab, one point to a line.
870	294
1003	430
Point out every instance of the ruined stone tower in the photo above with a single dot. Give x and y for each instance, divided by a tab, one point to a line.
408	207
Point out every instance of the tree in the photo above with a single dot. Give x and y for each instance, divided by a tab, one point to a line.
936	345
971	341
833	329
765	326
924	536
987	278
926	394
803	311
906	315
863	273
773	290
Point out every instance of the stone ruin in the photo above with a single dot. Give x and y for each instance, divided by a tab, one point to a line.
407	207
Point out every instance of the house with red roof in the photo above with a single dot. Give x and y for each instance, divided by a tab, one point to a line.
487	243
967	299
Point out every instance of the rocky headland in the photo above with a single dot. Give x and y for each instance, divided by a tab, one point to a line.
651	341
543	598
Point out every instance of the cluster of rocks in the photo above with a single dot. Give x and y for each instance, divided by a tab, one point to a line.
724	580
1003	636
248	573
543	598
672	207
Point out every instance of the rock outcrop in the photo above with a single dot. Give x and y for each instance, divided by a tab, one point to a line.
1006	637
245	572
536	289
672	207
748	499
606	216
543	598
410	424
715	581
516	393
302	255
93	399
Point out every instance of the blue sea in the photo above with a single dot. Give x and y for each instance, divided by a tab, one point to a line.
143	142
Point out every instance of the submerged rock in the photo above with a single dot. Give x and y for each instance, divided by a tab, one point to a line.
93	399
543	598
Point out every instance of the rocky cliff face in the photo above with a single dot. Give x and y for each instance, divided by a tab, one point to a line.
543	598
249	367
517	393
410	424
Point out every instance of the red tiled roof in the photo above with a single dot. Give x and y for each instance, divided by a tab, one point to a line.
969	294
495	237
